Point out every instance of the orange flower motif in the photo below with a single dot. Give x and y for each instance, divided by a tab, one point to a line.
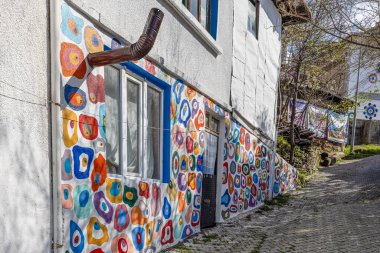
99	173
72	60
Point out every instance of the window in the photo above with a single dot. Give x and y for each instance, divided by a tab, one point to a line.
134	125
253	17
201	10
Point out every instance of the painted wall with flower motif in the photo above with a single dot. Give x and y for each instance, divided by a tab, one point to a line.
109	213
285	177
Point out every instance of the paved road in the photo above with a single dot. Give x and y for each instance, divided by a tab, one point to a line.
338	211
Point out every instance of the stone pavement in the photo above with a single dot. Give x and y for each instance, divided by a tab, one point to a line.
338	211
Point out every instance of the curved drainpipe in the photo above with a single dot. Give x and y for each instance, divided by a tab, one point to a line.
134	51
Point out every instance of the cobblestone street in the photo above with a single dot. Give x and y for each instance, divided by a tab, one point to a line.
338	211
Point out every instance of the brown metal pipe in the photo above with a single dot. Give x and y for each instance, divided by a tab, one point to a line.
132	52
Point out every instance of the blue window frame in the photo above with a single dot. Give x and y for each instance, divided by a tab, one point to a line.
165	89
206	12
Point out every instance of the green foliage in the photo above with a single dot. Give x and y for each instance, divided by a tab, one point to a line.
303	178
283	149
361	151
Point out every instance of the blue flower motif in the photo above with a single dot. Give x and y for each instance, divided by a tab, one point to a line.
71	25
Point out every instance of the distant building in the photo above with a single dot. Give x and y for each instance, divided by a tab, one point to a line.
137	155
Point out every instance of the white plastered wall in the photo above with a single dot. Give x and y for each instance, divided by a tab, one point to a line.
256	65
24	130
182	50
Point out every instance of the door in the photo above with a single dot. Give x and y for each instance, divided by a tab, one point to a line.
208	209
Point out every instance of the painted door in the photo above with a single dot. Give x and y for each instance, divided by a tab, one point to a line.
208	208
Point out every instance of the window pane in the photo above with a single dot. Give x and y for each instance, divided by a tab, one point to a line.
194	8
251	18
112	99
133	126
153	135
205	14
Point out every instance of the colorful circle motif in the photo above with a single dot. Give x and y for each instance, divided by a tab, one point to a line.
122	219
235	196
75	98
167	233
184	164
71	26
188	196
175	164
195	107
246	169
225	200
233	167
88	126
114	190
138	238
92	40
178	87
182	181
95	85
103	206
197	201
195	218
130	196
237	181
115	43
76	237
201	139
121	244
82	161
192	162
236	135
66	169
231	150
370	111
199	182
251	157
166	209
72	61
372	78
247	141
184	113
200	163
237	151
178	135
82	201
97	233
66	196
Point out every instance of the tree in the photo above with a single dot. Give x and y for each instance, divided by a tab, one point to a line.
316	52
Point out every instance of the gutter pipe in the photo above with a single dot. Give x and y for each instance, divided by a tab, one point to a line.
134	51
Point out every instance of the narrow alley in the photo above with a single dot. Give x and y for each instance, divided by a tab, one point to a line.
338	211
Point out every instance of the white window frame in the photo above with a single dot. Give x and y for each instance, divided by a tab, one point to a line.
124	76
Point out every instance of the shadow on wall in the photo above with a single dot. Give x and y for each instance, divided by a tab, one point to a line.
262	120
25	206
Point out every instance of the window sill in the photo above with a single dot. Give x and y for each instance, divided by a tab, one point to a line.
195	25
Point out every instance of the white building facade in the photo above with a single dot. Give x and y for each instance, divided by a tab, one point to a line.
136	156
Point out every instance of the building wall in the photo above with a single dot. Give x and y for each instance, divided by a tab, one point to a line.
182	50
369	75
256	65
137	213
24	132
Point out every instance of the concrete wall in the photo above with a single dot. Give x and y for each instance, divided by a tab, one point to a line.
24	131
256	64
182	50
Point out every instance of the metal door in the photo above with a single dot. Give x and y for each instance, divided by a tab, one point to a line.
210	172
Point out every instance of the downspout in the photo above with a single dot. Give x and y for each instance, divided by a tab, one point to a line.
54	118
134	51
